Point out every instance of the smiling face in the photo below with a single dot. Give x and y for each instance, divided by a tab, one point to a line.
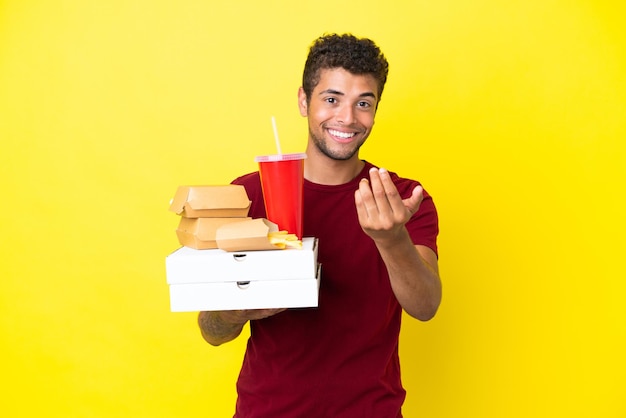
340	112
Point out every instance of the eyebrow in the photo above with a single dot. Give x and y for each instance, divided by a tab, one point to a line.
339	93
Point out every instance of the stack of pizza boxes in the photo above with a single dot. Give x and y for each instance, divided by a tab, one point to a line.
230	261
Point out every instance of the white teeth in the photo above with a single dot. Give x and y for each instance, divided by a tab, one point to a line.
341	134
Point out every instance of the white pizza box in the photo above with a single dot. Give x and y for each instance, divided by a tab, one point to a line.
235	295
187	265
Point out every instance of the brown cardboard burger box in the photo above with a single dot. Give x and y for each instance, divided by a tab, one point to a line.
228	201
200	233
250	235
255	278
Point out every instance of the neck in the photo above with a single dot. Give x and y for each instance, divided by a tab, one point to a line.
321	169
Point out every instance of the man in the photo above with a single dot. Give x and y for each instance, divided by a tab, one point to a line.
377	245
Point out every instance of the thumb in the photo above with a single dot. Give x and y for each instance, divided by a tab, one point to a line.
413	202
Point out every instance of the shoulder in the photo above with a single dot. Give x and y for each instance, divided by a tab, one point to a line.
250	179
252	183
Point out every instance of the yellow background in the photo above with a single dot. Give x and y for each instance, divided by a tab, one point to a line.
512	113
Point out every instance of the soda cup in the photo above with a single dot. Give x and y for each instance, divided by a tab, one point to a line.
282	181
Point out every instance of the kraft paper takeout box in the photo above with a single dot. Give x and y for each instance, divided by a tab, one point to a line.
199	233
229	201
249	235
206	280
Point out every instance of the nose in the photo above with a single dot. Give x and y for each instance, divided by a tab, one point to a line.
345	115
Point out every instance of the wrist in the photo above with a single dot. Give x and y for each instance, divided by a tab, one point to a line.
392	242
232	319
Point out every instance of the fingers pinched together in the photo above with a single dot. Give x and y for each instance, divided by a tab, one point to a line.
381	210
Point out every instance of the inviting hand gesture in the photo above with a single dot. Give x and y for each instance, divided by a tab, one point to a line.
382	212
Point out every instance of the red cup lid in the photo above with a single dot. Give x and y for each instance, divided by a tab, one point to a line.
279	157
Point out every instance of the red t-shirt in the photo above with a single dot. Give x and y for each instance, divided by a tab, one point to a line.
339	360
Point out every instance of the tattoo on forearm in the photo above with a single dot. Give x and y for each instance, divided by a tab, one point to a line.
211	324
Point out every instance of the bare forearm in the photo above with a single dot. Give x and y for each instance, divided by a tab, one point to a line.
414	279
220	327
215	330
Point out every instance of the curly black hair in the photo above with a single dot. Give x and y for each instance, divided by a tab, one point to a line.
356	55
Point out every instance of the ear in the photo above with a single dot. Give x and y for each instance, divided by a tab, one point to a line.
302	104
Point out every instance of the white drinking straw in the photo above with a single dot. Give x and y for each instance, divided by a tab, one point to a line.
276	135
